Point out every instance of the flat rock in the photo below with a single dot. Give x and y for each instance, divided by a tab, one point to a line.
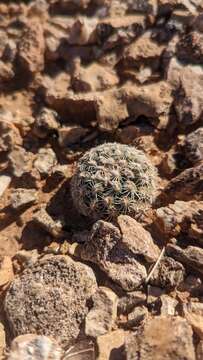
102	316
41	348
162	338
50	298
22	197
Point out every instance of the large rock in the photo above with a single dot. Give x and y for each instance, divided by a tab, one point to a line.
192	256
162	338
50	298
168	274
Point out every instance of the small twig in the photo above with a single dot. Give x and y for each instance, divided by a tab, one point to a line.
77	353
155	265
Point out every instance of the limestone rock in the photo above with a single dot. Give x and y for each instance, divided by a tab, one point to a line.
162	338
102	316
50	298
41	348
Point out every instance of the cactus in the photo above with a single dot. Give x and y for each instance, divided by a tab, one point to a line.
113	179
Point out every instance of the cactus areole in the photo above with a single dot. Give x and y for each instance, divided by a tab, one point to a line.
113	179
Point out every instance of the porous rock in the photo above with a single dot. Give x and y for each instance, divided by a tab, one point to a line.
20	161
43	219
45	123
50	298
6	270
193	146
168	274
192	256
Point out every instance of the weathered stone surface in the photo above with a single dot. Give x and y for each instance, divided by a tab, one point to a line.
6	270
22	197
4	183
6	73
168	274
130	300
43	219
168	305
162	338
50	297
190	48
102	316
196	321
136	316
110	345
2	340
118	251
199	351
193	146
45	123
31	48
191	256
186	185
20	161
69	135
180	217
39	347
45	160
9	133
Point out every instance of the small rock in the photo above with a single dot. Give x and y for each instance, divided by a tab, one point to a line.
5	181
22	197
45	161
102	316
27	258
20	161
168	305
70	135
2	340
199	350
193	146
190	48
9	133
6	72
38	347
138	315
128	302
43	219
109	345
45	123
50	298
168	274
6	270
192	256
162	338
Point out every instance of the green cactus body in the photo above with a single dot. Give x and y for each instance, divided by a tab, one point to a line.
113	179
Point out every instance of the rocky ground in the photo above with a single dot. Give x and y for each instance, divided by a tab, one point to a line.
75	74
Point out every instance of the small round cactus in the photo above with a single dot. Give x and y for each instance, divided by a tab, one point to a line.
113	179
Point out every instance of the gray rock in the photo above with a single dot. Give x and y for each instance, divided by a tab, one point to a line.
45	161
168	305
128	302
20	161
22	197
168	274
36	347
138	315
102	316
4	183
50	298
193	146
192	256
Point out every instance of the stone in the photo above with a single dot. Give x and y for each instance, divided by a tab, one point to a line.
188	184
9	133
196	321
190	48
5	181
192	256
22	197
2	340
193	146
199	351
82	31
45	123
31	48
168	305
43	219
180	217
69	135
83	349
128	302
136	317
20	161
6	73
118	251
50	298
109	345
6	270
45	161
101	318
163	337
39	347
169	274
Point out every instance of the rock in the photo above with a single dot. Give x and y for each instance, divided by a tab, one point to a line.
196	321
95	77
118	251
9	133
168	305
168	274
136	317
5	181
6	73
20	161
102	316
45	123
193	146
180	217
50	298
109	345
186	185
22	197
70	135
82	31
6	270
128	302
162	338
2	340
82	349
45	161
43	219
192	285
192	256
199	351
39	347
31	48
190	48
27	257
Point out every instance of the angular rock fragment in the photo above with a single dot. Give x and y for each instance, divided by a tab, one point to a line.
4	183
168	305
110	345
20	161
6	73
69	135
22	197
168	274
41	348
50	298
193	146
128	302
2	340
190	48
6	270
138	315
192	256
47	223
9	133
45	161
102	316
162	338
45	123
